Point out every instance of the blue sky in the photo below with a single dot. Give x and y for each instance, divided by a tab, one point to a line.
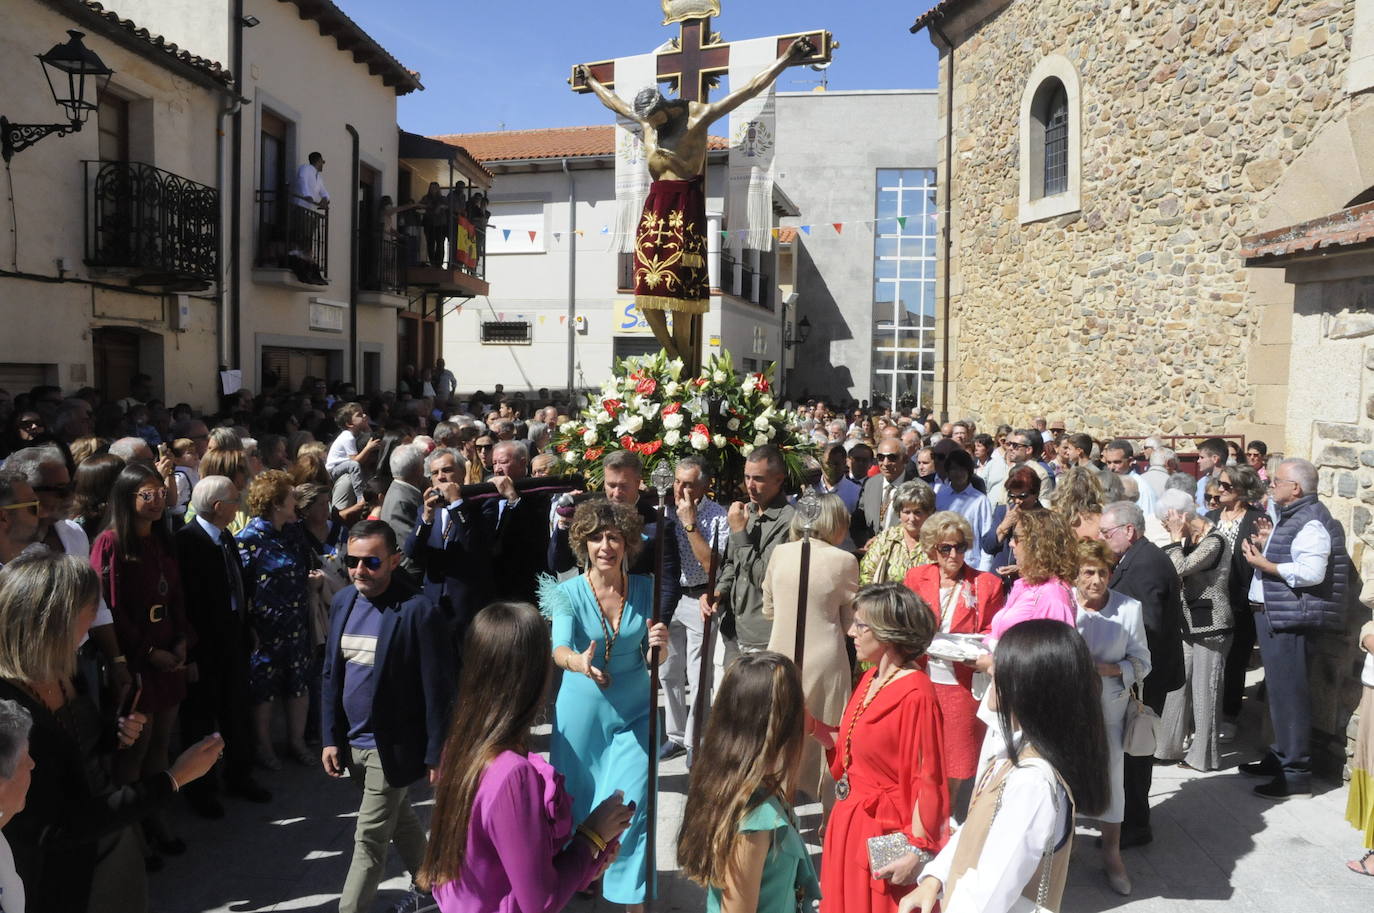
489	64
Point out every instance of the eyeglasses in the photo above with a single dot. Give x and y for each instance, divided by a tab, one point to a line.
948	549
153	494
1018	444
62	490
1108	530
889	457
861	628
30	506
1210	498
1226	486
1017	495
32	423
371	562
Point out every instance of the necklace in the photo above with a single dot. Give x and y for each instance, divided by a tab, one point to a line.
611	634
842	786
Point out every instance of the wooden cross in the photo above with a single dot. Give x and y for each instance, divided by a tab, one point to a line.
695	66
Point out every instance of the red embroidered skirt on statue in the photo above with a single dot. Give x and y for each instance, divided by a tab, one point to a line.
670	249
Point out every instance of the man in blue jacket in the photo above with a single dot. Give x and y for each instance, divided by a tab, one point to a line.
388	689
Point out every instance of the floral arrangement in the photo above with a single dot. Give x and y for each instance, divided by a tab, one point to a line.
649	408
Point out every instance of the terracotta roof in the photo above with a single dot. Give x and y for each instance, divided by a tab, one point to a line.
349	36
935	14
1349	228
787	235
116	28
415	146
547	143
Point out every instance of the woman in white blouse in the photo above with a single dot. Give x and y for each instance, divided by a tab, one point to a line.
1113	627
1043	760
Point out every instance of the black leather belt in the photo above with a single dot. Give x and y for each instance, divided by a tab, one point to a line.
1256	607
699	590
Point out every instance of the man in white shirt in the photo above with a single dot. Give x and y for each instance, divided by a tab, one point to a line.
1163	463
308	194
1116	456
835	481
1302	579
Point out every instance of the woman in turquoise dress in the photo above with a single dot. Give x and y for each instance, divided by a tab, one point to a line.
739	835
602	633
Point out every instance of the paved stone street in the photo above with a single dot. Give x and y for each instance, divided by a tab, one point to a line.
1216	847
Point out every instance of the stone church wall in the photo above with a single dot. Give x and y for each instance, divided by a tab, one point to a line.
1135	313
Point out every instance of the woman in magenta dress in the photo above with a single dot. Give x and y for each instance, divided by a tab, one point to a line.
502	837
887	758
1046	554
965	601
141	583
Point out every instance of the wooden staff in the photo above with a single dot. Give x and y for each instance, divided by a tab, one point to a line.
705	671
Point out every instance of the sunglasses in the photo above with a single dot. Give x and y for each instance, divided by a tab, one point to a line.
951	549
32	423
156	494
30	506
1211	498
1226	486
889	457
62	490
371	562
1017	495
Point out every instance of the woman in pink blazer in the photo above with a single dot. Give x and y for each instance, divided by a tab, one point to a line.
964	601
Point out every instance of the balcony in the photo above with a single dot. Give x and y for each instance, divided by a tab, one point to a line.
158	228
381	270
289	234
461	273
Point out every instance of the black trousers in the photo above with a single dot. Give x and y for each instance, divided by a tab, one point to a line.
1287	657
1138	773
221	702
434	241
1237	662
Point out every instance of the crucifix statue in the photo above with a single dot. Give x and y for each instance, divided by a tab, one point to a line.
670	270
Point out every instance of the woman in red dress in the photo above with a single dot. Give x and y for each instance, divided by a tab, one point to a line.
964	601
887	758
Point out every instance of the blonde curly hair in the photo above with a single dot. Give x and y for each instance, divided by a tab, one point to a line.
1048	547
267	490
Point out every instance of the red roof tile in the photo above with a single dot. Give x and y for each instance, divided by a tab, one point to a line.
787	235
1352	227
547	143
935	14
349	36
118	28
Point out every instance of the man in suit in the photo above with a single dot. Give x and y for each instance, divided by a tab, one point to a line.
876	511
447	547
388	689
401	506
756	529
516	526
1146	574
216	602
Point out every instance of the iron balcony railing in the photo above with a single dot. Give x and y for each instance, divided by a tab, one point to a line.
162	225
383	264
291	231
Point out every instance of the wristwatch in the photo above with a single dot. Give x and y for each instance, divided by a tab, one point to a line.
690	527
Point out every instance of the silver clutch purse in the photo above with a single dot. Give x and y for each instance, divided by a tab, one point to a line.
888	848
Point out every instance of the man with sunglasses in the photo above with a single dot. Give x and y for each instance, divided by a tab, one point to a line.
877	510
1023	448
18	515
384	709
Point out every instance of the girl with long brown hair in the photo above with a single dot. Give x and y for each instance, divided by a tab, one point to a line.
739	835
502	835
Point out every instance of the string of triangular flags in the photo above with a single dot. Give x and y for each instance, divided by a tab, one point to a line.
831	227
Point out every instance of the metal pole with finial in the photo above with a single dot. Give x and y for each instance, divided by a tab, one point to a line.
661	479
810	509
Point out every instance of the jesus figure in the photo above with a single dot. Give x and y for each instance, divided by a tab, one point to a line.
670	241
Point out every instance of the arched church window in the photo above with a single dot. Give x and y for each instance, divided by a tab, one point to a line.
1051	141
1056	120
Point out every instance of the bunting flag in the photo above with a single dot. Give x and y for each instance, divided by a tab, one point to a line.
557	237
505	234
806	229
532	234
839	227
580	232
901	220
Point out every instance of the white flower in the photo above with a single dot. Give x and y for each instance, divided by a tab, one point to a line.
747	449
589	437
675	368
571	457
567	427
733	424
750	384
672	438
634	424
761	423
773	432
673	421
700	441
719	440
760	439
718	377
672	389
649	409
603	417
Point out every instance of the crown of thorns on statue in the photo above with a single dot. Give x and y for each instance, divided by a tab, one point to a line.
650	100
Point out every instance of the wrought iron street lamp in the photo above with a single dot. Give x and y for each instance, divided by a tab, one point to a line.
78	70
803	330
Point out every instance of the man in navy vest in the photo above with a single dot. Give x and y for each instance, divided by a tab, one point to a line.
1302	579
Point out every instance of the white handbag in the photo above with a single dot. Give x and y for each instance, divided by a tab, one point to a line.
1142	727
965	892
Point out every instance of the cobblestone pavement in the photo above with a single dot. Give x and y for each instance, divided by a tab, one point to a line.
1217	847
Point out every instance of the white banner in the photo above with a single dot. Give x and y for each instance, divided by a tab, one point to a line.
632	75
753	134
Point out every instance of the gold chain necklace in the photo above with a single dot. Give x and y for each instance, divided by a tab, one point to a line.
842	786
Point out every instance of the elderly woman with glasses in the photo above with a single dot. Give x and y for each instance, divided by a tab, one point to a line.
965	600
1202	557
1022	486
898	548
279	570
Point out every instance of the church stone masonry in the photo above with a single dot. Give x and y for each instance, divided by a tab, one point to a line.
1134	312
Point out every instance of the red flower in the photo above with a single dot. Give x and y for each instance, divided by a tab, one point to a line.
594	453
646	387
562	448
650	448
628	442
736	441
763	384
672	408
701	381
701	429
611	405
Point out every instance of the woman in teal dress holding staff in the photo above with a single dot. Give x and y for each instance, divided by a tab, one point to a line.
602	632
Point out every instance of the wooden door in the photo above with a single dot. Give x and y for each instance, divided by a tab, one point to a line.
116	359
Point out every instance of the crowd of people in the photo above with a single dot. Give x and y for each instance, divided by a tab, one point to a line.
407	580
